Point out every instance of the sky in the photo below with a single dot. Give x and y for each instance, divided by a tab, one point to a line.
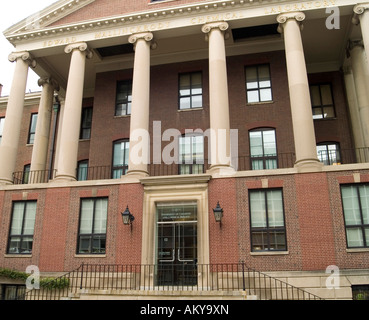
12	12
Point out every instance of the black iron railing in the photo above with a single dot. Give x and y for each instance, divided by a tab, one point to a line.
242	163
196	277
35	176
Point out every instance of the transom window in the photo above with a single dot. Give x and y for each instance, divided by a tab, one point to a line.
258	83
124	98
32	128
263	149
120	158
355	200
190	90
22	227
322	101
191	154
92	226
267	220
329	153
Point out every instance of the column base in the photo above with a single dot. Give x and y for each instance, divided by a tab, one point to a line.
134	176
308	165
5	182
64	178
219	170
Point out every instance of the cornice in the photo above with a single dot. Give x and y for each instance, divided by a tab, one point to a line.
18	35
47	16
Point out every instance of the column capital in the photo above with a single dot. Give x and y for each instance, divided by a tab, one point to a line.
147	36
221	25
81	46
48	80
284	17
359	9
25	56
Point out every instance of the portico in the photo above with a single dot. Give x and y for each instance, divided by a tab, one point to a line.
171	30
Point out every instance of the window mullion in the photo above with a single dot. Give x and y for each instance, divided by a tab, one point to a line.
361	217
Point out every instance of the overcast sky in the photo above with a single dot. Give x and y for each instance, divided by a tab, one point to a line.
11	13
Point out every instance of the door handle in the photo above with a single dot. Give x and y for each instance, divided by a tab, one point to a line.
183	260
171	260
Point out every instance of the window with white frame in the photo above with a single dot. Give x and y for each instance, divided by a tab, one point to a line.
22	227
92	226
355	201
268	232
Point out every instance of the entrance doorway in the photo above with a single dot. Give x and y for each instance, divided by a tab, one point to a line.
176	252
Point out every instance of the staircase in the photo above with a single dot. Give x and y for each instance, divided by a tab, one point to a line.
127	282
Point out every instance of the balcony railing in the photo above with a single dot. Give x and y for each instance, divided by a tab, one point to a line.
281	160
139	279
31	177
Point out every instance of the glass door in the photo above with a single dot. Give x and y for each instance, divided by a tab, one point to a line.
176	246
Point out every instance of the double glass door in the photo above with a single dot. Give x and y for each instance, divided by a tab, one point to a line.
177	245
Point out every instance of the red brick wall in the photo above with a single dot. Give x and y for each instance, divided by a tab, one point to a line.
53	239
108	8
315	221
129	240
223	239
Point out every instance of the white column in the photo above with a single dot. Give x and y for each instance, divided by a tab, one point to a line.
41	143
353	107
220	156
301	110
14	113
361	78
362	16
139	145
68	153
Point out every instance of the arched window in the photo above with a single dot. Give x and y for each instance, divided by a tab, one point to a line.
191	154
263	149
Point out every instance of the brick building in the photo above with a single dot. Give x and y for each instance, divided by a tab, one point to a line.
171	107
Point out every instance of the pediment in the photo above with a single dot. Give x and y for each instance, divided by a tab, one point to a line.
47	17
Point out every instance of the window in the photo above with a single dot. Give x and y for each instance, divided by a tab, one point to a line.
322	101
124	98
360	292
26	173
92	226
263	149
120	158
329	153
2	121
190	90
22	227
82	170
191	154
32	128
13	292
86	123
258	84
267	220
355	201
